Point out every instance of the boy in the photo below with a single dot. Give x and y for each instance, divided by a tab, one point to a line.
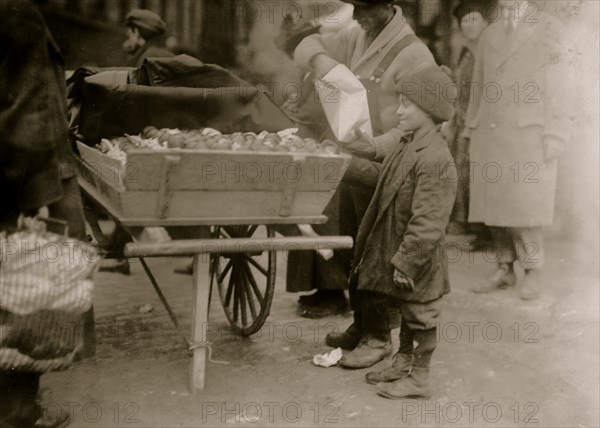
399	248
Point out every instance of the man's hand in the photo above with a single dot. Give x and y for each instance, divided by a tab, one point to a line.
292	104
322	64
553	148
403	282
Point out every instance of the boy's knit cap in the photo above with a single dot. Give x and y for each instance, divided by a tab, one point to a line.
431	89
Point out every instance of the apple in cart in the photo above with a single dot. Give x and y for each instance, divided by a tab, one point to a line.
150	132
176	141
273	139
330	147
310	145
224	143
198	145
260	146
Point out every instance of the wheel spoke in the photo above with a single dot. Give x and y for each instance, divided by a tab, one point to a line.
227	268
251	289
236	296
242	290
251	230
256	265
253	283
229	291
228	231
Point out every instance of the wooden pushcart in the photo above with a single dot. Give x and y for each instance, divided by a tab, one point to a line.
237	199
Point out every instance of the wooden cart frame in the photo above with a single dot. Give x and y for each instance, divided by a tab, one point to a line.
246	302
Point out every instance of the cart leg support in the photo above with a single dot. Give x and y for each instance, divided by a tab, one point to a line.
199	330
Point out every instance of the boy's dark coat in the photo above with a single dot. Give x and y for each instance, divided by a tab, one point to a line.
404	227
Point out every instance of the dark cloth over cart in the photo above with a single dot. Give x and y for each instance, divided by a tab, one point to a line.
178	92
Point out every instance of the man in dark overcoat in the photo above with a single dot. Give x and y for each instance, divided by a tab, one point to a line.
34	157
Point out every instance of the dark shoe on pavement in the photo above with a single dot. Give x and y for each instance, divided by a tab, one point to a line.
117	266
528	288
324	309
399	369
322	295
185	270
415	385
370	351
347	339
503	277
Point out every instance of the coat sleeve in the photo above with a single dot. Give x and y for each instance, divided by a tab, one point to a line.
472	116
433	199
387	142
334	45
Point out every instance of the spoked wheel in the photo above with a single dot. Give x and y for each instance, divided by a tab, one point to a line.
246	281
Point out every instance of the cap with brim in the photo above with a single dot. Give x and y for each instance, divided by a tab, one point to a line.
147	22
469	6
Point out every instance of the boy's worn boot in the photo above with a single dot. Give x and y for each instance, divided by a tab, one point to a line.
372	348
401	363
349	338
400	368
415	385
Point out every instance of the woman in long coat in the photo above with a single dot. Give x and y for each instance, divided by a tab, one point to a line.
518	125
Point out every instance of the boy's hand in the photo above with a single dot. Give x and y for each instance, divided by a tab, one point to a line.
363	146
403	282
362	136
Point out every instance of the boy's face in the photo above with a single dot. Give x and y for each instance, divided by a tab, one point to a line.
411	116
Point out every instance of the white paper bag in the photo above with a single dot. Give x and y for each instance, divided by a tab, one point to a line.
344	100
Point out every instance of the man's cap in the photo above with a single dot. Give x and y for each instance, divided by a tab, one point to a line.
148	23
484	7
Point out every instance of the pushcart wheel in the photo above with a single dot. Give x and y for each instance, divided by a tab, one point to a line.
246	281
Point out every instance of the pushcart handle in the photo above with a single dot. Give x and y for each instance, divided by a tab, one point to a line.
190	247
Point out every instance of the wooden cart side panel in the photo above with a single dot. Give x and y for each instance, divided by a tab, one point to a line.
215	204
218	170
110	170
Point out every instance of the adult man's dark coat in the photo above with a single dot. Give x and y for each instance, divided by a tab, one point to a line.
33	124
